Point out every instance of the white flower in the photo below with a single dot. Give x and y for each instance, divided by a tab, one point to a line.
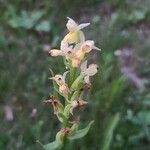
89	71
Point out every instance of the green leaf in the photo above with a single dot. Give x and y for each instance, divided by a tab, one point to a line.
81	133
108	135
67	110
50	146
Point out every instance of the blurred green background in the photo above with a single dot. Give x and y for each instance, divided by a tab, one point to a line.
119	100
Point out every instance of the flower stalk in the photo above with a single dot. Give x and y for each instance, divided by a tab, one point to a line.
72	83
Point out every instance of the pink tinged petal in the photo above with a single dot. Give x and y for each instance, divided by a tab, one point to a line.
96	48
87	79
87	46
52	78
91	70
56	52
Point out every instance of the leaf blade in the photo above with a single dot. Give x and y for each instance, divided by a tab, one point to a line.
81	133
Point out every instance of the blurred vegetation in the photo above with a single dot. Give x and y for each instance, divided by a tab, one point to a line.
120	110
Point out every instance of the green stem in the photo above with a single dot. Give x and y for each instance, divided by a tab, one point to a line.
71	80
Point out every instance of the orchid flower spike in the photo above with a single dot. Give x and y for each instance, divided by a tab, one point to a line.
89	71
74	35
60	80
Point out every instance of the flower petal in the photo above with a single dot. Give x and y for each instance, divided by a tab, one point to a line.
87	79
63	45
91	70
71	25
64	75
83	25
96	48
55	52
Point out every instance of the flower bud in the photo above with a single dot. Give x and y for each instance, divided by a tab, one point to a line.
55	52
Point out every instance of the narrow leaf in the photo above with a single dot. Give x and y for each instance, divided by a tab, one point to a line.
108	135
81	133
49	146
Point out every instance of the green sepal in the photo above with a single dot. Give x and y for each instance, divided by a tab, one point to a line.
67	110
73	97
81	133
73	129
77	83
61	107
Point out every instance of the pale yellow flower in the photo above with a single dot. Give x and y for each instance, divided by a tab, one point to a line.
89	71
74	35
